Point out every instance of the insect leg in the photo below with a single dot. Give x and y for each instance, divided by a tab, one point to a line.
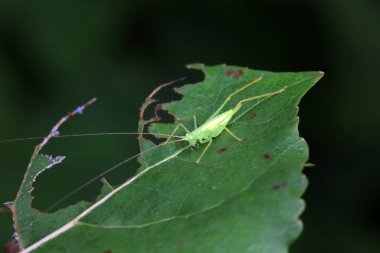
204	151
239	104
194	118
175	130
233	135
233	94
195	122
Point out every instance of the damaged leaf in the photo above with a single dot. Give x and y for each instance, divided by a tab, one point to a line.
243	196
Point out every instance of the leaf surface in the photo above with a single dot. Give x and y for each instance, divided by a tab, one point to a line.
242	197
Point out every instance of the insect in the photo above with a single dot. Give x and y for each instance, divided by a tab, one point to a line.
218	121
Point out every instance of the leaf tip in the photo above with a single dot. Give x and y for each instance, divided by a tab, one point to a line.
320	74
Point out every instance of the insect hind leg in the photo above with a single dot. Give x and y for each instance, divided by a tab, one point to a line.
240	103
233	94
232	134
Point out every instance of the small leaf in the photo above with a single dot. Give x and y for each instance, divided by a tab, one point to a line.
243	196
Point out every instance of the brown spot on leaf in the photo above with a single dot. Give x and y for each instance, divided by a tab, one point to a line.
222	150
267	156
107	251
234	73
279	186
252	116
181	244
11	247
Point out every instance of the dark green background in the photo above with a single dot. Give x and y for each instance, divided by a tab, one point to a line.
54	56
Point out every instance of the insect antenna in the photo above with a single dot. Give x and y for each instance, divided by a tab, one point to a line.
88	134
55	204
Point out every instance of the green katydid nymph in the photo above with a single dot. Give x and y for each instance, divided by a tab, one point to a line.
218	121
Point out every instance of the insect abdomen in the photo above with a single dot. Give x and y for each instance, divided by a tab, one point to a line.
212	128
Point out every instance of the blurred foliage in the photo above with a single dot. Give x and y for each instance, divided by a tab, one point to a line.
56	55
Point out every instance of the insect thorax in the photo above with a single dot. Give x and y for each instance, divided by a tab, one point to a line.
191	139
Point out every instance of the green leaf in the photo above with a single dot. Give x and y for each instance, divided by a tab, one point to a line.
242	197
